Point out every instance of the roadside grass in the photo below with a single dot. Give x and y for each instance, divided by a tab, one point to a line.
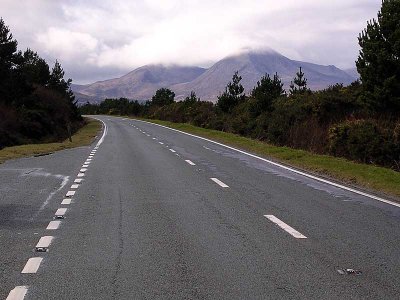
379	179
82	137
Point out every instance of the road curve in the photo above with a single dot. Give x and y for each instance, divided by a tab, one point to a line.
150	213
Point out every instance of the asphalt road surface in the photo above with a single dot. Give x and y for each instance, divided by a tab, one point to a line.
151	213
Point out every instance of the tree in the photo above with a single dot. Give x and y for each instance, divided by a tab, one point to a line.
233	95
191	99
266	91
34	68
8	57
163	97
299	84
379	60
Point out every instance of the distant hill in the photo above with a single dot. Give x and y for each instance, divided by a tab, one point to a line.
139	84
353	72
209	83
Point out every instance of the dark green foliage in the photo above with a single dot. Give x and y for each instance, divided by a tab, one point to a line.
191	99
366	141
35	105
299	84
379	60
233	94
267	90
162	97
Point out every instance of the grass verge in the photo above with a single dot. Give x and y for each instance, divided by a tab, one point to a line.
368	177
82	137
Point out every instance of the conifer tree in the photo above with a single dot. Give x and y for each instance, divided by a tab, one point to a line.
266	91
299	84
233	95
379	60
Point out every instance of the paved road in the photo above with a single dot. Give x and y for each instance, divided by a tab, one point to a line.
163	215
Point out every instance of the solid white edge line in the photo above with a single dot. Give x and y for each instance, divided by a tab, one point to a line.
53	225
219	182
282	166
190	162
293	232
18	293
32	265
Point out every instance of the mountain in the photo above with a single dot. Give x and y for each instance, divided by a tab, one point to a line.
252	66
353	72
139	84
142	83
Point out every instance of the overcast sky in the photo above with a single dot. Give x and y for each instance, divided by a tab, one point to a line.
100	39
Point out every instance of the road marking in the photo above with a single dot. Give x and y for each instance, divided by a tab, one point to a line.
161	143
32	265
18	293
74	186
70	193
87	162
60	213
89	159
172	150
285	227
83	170
53	225
219	182
44	243
154	138
90	156
104	133
190	162
282	166
66	202
78	180
148	134
81	174
85	166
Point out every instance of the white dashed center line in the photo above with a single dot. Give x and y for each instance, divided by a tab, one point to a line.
85	166
53	225
78	180
81	174
83	170
285	227
70	193
219	182
74	186
190	162
18	293
161	143
172	150
66	202
32	265
60	212
44	243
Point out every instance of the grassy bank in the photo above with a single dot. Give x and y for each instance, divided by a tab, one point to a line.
82	137
365	176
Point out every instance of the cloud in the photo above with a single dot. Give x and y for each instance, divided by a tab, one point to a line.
98	39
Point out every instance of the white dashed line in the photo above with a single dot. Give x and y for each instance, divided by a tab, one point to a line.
285	227
161	143
89	159
44	243
85	166
70	193
60	213
154	138
53	225
172	150
83	170
190	162
18	293
90	156
219	182
32	265
74	186
87	162
78	180
81	174
66	202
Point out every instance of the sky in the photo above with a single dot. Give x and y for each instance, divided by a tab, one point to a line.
101	39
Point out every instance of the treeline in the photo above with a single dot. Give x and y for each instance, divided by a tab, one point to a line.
360	122
36	104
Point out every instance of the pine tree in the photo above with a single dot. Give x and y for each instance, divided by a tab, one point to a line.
379	60
192	98
163	97
233	95
299	84
266	91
